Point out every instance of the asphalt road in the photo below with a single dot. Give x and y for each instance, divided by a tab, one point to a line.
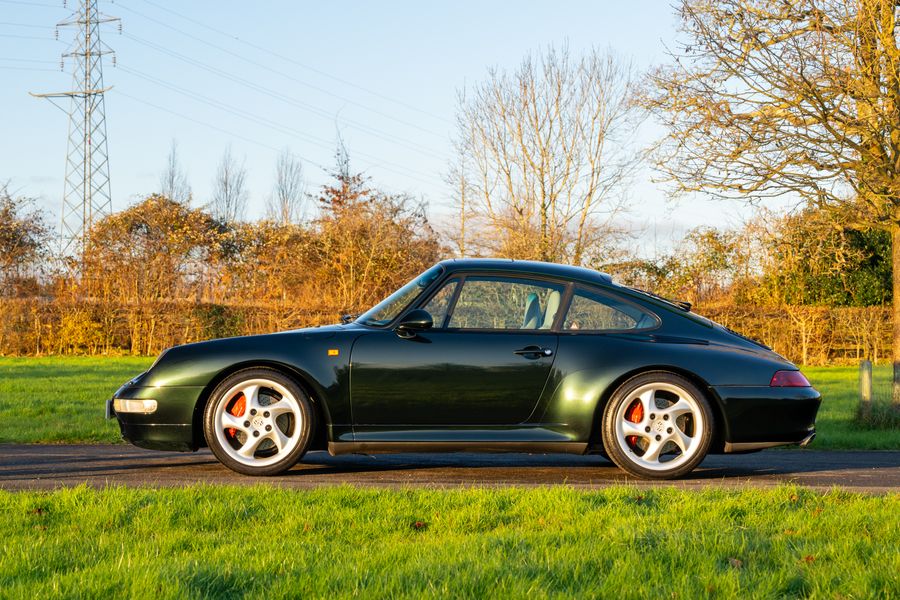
53	466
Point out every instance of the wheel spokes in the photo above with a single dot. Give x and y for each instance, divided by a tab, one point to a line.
654	447
648	401
629	428
681	439
278	438
679	408
248	450
230	421
658	426
280	408
251	396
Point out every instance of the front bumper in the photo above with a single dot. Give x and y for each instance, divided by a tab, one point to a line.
170	427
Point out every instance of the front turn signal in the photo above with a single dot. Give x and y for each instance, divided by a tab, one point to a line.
128	405
789	379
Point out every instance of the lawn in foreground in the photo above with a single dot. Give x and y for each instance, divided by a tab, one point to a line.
618	542
61	399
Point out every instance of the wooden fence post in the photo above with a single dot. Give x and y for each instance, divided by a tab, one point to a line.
865	389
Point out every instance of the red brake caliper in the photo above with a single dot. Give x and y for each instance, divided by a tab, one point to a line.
237	409
635	414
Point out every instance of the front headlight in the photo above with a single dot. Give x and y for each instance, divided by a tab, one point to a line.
130	405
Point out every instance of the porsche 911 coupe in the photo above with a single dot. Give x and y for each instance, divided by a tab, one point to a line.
479	355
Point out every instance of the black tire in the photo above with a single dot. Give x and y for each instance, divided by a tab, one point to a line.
300	437
628	456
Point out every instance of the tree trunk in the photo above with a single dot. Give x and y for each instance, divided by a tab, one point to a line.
895	310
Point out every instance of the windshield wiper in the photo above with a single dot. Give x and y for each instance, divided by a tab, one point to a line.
349	318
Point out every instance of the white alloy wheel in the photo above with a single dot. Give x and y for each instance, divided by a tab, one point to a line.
657	425
256	422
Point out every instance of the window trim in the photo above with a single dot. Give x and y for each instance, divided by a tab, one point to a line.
442	276
451	304
565	294
603	293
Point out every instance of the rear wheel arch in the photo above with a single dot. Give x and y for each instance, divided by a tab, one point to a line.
323	420
720	425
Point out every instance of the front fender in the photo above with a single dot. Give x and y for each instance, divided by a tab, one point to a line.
321	362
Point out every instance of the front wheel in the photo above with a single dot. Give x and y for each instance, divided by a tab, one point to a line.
258	422
657	425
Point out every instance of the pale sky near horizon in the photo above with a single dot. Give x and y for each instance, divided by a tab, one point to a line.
289	74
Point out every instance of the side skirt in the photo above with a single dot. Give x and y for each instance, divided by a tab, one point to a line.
335	448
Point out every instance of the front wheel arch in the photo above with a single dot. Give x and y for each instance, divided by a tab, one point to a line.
323	419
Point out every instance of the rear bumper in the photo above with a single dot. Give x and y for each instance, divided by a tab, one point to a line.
739	447
758	417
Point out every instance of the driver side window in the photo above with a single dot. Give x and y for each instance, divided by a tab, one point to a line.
499	303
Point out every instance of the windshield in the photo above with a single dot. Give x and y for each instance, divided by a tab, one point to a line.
387	310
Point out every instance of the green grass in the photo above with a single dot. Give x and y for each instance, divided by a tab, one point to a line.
340	542
61	399
54	399
836	422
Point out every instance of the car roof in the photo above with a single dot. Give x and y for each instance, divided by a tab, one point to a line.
531	267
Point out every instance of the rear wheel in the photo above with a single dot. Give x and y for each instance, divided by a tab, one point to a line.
258	422
657	425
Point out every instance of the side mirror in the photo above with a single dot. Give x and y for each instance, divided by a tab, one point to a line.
414	322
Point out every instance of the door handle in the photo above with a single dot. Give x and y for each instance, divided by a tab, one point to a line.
533	351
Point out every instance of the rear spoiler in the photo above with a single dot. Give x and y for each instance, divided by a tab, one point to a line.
683	305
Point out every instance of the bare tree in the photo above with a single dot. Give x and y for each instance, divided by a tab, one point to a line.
229	199
797	99
544	157
173	182
24	236
286	203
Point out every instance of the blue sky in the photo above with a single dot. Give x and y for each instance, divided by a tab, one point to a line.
385	73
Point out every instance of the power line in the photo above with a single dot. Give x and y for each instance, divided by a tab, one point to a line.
213	127
283	74
28	60
6	68
282	97
400	169
298	63
23	3
27	25
28	37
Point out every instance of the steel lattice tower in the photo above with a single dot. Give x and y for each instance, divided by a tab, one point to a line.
86	193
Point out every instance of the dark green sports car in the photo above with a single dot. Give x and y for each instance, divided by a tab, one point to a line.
479	355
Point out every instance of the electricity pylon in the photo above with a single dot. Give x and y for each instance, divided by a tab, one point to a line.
86	192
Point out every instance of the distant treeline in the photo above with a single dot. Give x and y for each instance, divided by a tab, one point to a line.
805	335
163	272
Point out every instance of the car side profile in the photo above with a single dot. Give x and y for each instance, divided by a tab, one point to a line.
479	355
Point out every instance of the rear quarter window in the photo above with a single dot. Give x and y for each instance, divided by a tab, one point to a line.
599	312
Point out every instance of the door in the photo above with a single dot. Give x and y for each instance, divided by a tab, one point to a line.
484	363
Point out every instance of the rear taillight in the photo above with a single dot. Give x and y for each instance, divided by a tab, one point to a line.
789	379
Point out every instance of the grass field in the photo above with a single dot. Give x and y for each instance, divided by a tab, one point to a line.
54	399
339	542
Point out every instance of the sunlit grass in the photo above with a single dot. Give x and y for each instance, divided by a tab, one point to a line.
339	542
836	423
61	399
